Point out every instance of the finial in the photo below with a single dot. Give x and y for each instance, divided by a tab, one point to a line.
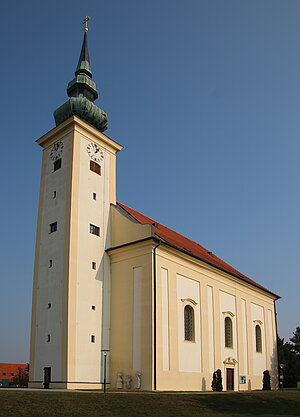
85	22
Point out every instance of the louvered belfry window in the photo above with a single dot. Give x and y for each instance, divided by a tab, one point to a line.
95	167
188	323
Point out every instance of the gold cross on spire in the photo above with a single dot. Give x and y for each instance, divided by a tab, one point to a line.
85	22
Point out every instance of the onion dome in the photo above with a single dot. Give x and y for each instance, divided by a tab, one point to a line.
82	91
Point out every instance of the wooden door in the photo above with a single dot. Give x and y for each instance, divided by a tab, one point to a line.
229	379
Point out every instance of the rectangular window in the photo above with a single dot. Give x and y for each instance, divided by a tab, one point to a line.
53	227
93	338
48	338
49	305
95	230
93	265
50	263
94	196
11	374
54	194
95	167
56	165
4	373
93	307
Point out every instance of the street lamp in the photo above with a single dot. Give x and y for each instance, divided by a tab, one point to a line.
104	371
281	366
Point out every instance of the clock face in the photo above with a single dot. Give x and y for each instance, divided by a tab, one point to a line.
95	152
56	151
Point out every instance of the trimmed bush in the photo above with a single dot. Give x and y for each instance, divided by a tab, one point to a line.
266	381
217	381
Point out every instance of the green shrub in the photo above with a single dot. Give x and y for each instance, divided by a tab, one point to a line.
217	381
266	381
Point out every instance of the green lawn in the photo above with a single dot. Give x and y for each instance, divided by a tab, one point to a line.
73	404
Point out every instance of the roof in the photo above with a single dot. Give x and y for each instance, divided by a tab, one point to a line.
182	243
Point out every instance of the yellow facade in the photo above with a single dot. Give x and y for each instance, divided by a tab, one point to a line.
164	353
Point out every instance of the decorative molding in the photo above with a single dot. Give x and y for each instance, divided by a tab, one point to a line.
228	313
230	361
189	300
257	322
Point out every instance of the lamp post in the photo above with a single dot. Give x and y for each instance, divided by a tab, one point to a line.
104	371
281	375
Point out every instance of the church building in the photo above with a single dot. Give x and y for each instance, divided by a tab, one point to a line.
120	298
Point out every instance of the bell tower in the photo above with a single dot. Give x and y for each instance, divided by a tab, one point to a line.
71	290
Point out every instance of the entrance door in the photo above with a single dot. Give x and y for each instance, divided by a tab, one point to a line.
229	379
47	377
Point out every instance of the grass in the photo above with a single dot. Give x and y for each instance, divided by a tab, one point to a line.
83	404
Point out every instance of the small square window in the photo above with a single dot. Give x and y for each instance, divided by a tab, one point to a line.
4	373
93	265
93	338
53	227
57	165
48	338
50	263
95	230
11	374
49	305
93	307
94	196
54	194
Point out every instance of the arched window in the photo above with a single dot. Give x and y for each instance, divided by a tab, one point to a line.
258	340
228	332
188	323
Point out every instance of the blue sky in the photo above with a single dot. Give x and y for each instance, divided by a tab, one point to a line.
205	97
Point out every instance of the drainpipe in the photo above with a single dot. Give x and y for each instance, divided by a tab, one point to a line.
154	308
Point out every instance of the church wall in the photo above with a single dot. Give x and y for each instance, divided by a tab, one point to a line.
90	248
131	349
49	282
228	309
219	295
127	230
89	287
188	293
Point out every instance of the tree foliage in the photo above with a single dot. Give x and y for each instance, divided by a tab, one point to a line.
296	341
21	378
289	356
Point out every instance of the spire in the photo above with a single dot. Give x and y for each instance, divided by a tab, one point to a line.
84	65
82	91
82	84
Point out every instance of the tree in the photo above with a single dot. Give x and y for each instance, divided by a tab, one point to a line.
217	381
266	381
291	362
296	340
21	378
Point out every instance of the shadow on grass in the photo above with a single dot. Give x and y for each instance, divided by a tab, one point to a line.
253	404
79	404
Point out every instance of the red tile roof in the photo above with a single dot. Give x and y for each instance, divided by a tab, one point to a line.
188	246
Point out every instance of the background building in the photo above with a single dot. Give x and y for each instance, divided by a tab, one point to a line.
10	370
